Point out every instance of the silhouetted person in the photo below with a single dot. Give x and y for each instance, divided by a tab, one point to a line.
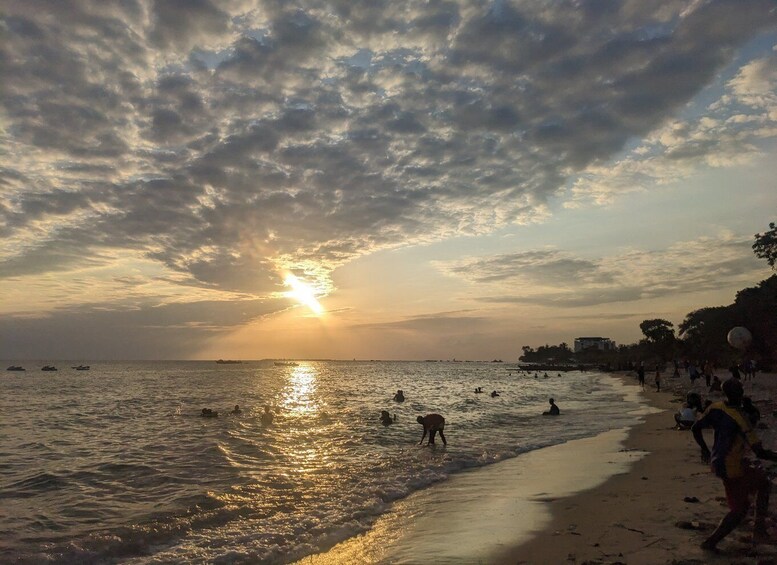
208	413
641	375
753	413
236	410
385	418
399	396
494	394
267	416
432	424
554	411
733	433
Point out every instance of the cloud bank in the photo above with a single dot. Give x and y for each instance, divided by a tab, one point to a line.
230	142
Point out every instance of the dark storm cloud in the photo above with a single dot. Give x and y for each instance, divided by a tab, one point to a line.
236	140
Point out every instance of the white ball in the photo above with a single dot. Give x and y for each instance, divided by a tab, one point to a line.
739	337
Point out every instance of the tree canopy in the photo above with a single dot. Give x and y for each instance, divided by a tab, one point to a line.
765	245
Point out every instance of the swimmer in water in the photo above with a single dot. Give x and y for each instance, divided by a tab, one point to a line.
399	396
208	413
236	410
554	411
432	424
385	418
267	416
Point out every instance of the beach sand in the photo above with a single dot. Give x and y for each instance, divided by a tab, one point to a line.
614	498
634	518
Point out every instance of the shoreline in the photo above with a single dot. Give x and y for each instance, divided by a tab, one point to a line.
480	515
642	517
614	498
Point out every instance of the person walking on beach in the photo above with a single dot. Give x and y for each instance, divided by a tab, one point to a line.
733	432
658	377
432	424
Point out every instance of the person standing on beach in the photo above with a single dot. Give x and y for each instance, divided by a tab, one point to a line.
733	433
432	424
658	377
641	375
708	370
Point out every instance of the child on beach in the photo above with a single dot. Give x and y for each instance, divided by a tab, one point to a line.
733	432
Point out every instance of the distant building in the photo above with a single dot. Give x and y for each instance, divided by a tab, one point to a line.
600	343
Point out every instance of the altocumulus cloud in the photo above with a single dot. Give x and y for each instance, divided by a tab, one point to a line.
553	277
231	141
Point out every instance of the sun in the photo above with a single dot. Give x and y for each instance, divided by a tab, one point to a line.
303	293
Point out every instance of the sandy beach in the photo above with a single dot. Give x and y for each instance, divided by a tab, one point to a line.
633	496
642	517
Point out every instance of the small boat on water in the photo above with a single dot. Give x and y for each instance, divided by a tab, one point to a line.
286	364
15	368
48	368
228	362
81	368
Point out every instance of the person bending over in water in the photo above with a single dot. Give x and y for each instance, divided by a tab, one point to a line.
554	411
733	433
432	424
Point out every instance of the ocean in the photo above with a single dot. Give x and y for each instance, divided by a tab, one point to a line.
116	464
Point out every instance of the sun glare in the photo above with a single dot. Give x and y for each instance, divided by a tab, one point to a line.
303	294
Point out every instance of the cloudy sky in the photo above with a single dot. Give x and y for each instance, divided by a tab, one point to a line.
448	179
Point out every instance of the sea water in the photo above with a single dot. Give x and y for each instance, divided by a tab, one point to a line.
115	464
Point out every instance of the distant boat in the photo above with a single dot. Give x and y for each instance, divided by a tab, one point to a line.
81	368
48	368
228	362
15	368
286	364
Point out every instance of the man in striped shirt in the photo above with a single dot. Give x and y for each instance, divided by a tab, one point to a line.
733	433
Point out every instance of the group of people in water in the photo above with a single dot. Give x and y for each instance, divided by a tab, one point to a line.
266	417
434	423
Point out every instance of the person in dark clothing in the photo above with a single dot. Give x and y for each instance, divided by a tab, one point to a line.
641	375
753	413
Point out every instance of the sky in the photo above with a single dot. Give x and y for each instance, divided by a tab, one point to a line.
192	179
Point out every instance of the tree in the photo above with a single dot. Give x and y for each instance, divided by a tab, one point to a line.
658	330
659	337
765	246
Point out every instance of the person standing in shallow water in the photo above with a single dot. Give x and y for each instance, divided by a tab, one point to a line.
733	433
432	424
641	375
